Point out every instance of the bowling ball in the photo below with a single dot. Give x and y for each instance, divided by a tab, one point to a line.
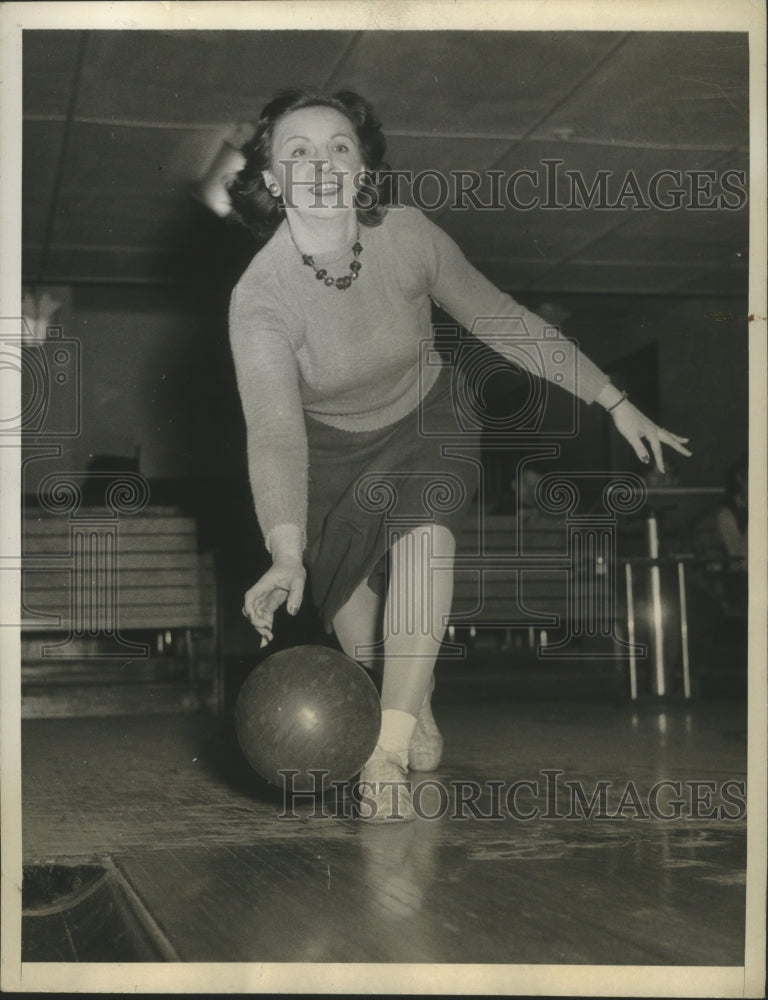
308	708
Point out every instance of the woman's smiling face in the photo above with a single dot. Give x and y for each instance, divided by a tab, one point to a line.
315	160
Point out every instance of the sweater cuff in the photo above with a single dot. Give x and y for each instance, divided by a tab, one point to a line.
285	539
609	396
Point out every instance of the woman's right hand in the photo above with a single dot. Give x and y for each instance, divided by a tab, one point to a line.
282	583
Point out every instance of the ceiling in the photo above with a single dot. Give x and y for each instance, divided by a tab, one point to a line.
120	125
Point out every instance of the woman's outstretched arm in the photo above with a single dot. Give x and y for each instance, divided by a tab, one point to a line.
525	339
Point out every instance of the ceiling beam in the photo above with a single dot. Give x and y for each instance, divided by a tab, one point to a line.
50	219
576	254
401	133
346	50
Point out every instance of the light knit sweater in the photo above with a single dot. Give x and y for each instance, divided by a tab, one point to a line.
351	358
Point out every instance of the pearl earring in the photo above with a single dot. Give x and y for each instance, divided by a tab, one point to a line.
274	189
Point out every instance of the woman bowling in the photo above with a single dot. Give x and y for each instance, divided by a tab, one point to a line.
327	327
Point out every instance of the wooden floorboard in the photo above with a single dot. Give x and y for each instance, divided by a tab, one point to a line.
407	895
226	876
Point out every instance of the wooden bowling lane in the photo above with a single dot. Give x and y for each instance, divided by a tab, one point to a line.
422	893
204	851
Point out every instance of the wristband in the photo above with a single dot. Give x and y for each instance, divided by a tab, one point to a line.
618	402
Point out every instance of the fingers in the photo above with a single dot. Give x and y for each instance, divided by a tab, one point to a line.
264	598
636	427
261	620
295	596
259	609
272	601
636	441
674	441
655	436
652	438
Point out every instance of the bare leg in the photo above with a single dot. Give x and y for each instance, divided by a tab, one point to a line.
357	625
418	602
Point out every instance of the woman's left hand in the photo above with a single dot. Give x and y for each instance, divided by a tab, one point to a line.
636	427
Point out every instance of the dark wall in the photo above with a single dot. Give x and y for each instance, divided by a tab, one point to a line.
702	371
156	375
701	360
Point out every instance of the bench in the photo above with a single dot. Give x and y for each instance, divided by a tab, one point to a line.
517	579
110	603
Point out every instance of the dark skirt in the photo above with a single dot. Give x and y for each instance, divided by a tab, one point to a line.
368	487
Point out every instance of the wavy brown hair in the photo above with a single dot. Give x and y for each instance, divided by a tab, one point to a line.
248	192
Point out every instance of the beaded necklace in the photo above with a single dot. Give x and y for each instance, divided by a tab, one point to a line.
344	280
